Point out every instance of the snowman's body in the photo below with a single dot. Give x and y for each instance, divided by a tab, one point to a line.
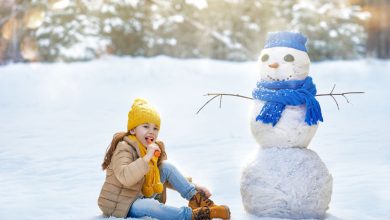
285	179
290	131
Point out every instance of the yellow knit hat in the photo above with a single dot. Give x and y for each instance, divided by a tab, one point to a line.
142	112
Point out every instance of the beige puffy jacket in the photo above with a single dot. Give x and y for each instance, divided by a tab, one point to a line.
124	179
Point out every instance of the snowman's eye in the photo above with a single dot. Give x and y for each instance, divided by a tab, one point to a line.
265	57
289	58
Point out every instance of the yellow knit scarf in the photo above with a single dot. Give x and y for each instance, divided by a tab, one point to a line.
152	182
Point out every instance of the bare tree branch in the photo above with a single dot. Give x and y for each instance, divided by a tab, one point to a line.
334	86
206	103
331	94
338	108
215	95
346	99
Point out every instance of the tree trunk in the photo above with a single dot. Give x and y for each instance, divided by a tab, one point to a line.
378	28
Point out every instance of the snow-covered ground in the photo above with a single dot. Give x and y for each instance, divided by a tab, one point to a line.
56	121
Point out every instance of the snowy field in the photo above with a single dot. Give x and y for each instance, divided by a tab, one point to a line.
56	121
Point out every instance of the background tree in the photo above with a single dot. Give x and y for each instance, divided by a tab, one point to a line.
71	32
377	27
334	28
51	30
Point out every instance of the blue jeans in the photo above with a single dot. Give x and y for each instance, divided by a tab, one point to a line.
152	208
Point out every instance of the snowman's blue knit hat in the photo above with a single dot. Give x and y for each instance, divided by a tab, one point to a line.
286	39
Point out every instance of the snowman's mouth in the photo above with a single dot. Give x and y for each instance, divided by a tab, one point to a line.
275	79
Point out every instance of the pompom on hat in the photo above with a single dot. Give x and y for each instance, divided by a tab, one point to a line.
142	112
286	39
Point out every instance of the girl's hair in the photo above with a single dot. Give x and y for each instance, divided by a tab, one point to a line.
111	148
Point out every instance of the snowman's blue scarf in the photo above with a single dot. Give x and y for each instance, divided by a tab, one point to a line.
281	93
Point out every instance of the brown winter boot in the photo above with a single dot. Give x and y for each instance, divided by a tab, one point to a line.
200	200
207	213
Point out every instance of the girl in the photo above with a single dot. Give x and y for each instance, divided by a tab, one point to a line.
136	177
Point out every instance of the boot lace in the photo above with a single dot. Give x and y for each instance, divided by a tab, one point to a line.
206	200
203	214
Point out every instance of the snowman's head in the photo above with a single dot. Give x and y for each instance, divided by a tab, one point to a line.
284	57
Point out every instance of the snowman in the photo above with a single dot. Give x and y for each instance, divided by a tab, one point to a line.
285	179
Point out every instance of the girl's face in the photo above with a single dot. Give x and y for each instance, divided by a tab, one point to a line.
145	131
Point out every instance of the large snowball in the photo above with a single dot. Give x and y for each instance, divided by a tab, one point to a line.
286	183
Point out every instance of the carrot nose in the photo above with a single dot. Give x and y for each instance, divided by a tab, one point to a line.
274	65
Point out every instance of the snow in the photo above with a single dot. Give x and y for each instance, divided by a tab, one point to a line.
57	120
290	183
200	4
290	131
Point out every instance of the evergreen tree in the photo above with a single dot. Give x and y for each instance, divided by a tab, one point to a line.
333	27
71	33
230	29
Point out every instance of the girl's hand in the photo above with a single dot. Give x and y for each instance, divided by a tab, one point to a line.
151	148
203	189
